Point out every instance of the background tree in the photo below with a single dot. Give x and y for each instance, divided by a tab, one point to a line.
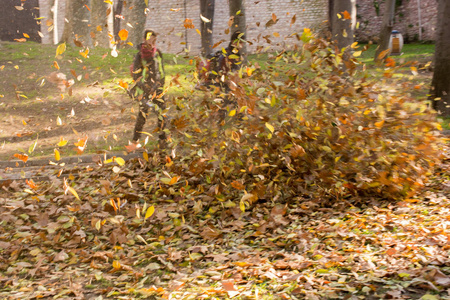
386	28
440	85
237	20
342	27
207	20
99	23
76	27
117	17
136	15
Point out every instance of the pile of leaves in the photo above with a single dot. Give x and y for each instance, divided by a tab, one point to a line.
321	130
286	194
126	231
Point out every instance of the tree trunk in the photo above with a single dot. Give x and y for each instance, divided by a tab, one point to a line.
386	29
342	28
76	28
330	14
440	85
137	17
207	12
99	23
237	15
117	12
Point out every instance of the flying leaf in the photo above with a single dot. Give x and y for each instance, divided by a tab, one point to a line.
58	121
26	35
57	155
346	15
383	54
70	189
270	127
31	184
19	7
149	212
205	19
119	160
61	49
123	34
62	142
22	157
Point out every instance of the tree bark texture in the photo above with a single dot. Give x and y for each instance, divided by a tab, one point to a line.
207	11
386	28
440	85
99	23
342	28
237	15
78	16
137	17
117	12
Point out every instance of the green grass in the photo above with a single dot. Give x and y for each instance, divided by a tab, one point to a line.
410	52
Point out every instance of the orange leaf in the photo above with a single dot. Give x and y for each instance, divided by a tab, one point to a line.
188	24
22	157
237	185
346	15
31	184
123	34
230	288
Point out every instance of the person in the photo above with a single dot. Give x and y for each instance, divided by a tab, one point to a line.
214	70
149	77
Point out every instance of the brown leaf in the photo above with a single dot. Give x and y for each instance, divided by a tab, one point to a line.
230	288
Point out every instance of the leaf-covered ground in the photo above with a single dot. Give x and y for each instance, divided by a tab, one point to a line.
122	232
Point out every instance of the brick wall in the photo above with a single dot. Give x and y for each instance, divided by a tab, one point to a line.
406	19
167	16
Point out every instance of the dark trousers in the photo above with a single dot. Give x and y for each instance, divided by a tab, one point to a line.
144	107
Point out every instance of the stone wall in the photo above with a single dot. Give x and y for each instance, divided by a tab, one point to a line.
167	17
406	19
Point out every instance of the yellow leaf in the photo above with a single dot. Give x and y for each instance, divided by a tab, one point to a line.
116	264
24	122
145	155
276	34
57	155
62	142
270	127
119	160
232	113
26	35
149	212
344	33
58	121
73	192
61	49
98	225
357	53
198	31
242	206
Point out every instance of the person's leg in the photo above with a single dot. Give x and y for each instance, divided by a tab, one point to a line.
160	107
141	118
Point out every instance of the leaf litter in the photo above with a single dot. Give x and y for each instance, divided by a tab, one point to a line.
118	240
